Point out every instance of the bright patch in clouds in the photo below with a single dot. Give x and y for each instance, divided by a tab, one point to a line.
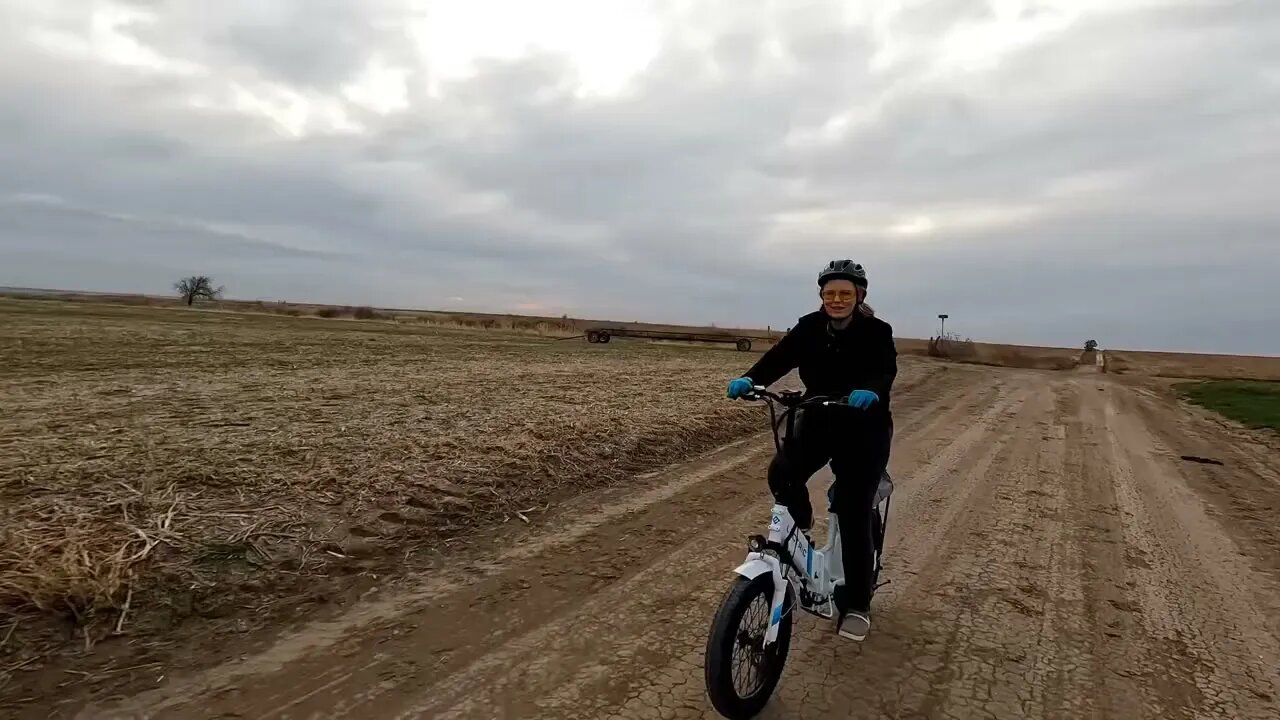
915	226
980	46
607	43
106	40
381	88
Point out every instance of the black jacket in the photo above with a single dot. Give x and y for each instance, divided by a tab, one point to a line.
835	362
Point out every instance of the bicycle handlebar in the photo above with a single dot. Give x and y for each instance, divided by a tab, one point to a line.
760	392
791	401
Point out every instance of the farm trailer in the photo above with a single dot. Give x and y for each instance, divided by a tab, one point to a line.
604	334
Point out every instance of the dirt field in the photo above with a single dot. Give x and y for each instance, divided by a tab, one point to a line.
206	471
1051	556
548	326
1051	552
1188	365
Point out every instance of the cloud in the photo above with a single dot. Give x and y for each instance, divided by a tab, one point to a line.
1044	170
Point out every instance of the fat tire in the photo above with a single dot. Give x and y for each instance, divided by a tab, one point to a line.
718	662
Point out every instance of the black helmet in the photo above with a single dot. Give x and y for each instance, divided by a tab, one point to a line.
843	270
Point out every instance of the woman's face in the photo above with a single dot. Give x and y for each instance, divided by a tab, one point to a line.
839	298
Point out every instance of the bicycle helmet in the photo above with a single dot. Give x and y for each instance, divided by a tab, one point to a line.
843	270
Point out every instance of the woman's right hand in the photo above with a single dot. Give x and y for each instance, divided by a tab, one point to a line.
740	387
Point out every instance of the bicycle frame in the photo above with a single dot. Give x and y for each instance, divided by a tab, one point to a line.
796	562
813	573
787	553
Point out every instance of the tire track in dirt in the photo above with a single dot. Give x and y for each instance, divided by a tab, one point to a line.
586	548
921	654
662	602
987	619
663	637
1003	622
1244	491
1187	577
1091	624
966	455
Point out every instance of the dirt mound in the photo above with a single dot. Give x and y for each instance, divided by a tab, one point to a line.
1012	356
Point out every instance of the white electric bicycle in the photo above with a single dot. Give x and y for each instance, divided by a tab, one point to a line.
751	633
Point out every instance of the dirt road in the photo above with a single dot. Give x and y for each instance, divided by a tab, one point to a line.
1051	555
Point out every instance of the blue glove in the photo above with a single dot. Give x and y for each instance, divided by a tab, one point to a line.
740	387
863	399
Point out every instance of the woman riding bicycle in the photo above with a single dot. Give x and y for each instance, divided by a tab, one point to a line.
841	349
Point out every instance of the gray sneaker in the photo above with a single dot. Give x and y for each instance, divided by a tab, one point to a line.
854	625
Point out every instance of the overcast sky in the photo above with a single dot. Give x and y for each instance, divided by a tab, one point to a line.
1045	171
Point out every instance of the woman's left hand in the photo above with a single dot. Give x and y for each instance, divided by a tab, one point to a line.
863	399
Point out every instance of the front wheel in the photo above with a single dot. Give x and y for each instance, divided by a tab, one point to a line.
741	673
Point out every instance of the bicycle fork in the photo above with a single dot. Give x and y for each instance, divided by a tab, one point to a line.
759	562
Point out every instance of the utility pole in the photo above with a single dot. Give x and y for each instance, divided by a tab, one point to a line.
943	332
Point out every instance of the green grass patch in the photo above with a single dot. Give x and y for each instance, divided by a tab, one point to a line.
1255	404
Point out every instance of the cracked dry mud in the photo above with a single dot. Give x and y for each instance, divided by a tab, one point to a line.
1050	556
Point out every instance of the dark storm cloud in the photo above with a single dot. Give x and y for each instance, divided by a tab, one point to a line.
1078	184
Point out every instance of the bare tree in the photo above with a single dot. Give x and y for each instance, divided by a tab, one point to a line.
197	287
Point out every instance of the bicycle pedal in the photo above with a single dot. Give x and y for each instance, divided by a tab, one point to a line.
824	609
830	610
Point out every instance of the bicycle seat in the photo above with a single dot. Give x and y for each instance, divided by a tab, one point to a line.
884	489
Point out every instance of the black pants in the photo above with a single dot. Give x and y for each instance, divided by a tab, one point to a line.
857	446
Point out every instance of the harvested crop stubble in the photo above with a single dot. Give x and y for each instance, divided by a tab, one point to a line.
1193	365
157	464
